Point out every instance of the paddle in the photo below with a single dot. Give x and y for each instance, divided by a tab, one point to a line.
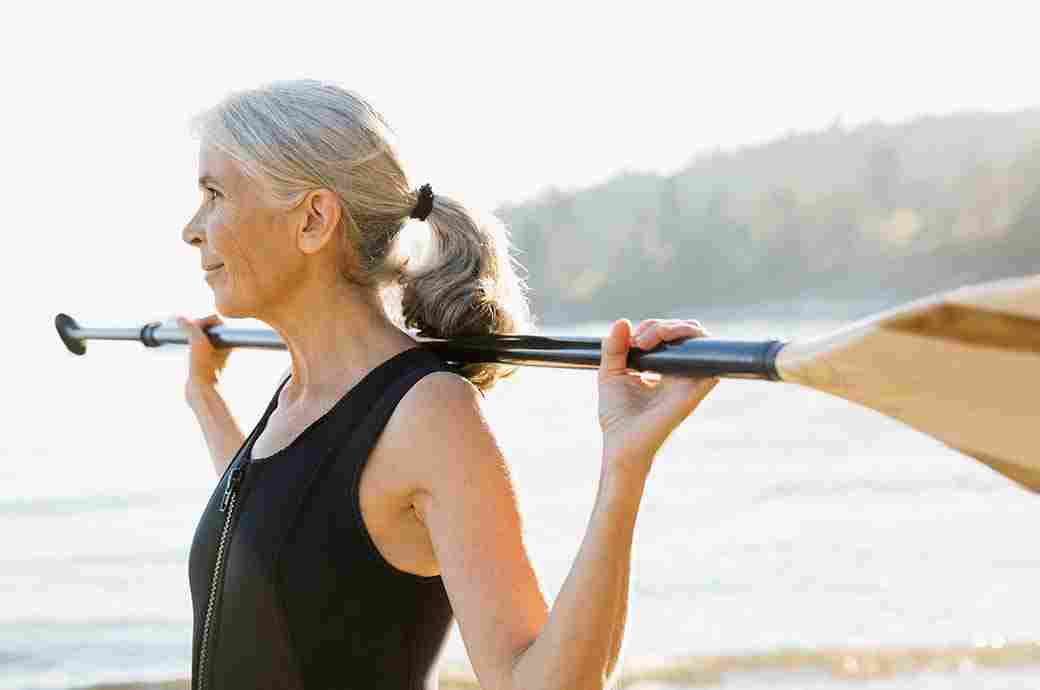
959	366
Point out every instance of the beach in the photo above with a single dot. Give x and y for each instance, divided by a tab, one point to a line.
895	668
786	538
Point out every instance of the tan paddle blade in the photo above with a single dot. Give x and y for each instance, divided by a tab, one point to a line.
963	367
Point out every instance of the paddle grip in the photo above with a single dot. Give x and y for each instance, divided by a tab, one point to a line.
711	357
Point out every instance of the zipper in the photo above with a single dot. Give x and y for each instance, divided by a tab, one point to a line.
227	506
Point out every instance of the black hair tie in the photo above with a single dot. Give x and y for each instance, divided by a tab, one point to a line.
425	203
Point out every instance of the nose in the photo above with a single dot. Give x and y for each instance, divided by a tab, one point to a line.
192	233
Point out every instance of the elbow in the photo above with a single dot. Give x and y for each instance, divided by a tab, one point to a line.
604	680
564	679
598	682
591	681
559	674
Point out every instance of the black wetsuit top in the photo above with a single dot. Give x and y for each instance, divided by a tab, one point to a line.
305	599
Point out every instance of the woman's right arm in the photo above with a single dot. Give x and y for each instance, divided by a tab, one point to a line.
223	436
205	362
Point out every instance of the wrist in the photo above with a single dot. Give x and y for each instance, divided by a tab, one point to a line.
618	479
626	460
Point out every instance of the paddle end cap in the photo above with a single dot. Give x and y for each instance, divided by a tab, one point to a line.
65	324
772	350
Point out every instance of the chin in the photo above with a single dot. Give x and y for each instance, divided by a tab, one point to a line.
231	310
233	313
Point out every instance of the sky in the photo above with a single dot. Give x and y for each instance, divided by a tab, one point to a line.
491	102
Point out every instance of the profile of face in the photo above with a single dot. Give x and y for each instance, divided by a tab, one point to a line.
249	252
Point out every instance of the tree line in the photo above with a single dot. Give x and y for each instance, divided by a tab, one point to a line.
880	212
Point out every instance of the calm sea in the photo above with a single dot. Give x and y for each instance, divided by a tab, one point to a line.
779	527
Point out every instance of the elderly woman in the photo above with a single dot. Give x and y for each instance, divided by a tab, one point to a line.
370	505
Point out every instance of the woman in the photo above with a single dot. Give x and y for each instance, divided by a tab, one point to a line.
371	505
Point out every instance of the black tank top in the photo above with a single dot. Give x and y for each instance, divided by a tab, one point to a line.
302	598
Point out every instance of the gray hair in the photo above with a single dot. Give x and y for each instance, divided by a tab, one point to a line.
292	137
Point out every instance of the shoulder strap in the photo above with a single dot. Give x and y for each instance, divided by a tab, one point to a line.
363	440
347	442
369	430
257	427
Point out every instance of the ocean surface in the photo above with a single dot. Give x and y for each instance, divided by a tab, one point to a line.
786	538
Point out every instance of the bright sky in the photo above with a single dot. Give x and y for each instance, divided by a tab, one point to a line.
492	101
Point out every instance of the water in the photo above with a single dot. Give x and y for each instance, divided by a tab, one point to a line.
776	520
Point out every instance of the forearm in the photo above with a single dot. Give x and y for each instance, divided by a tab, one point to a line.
220	429
579	645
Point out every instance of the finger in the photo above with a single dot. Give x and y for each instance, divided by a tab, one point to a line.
655	333
614	349
645	324
682	330
698	324
192	328
645	339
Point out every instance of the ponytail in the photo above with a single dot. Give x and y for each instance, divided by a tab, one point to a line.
469	287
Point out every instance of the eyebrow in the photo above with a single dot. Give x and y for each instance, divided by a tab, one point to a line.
207	179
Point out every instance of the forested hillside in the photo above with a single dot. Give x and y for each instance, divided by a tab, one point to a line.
879	212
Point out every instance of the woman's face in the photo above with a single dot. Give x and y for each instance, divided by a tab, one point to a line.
252	244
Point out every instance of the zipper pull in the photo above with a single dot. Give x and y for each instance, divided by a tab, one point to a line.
233	481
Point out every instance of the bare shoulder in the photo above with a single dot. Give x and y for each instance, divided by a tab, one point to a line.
439	433
441	397
441	408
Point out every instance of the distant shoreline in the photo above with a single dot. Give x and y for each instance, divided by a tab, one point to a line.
844	663
451	678
178	684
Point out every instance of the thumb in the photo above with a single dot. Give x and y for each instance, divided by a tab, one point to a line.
189	326
614	349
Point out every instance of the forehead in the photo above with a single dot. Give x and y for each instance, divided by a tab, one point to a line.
215	164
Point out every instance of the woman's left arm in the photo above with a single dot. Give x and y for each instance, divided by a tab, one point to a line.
467	502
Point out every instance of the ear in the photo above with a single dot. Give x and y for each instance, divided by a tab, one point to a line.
322	212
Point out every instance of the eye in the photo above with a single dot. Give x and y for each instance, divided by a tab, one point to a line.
214	193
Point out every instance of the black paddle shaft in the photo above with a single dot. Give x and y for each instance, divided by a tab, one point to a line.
695	357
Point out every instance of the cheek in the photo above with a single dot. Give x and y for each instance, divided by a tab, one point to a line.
253	248
220	232
244	248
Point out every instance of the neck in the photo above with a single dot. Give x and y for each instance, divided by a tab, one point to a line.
335	333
